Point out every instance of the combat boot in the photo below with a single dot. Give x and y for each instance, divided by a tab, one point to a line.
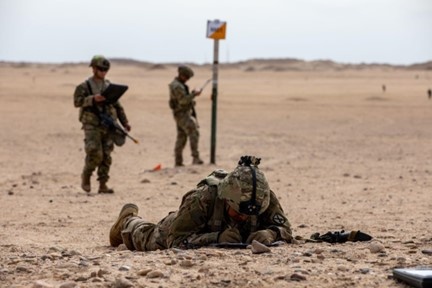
103	188
128	210
197	161
178	160
85	182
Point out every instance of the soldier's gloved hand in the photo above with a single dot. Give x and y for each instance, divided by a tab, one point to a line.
267	236
196	92
230	235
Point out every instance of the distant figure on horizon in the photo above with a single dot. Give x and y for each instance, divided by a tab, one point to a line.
429	93
383	88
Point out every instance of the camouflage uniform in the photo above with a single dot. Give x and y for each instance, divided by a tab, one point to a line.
201	218
98	142
182	104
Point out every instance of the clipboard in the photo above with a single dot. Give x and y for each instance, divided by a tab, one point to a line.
113	92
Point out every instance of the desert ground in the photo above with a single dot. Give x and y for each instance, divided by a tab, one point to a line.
339	152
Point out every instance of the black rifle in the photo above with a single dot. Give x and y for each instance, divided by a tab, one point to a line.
110	123
341	236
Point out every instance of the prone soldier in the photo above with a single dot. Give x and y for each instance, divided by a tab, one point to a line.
236	207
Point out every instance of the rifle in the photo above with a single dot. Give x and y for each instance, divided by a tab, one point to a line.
194	114
341	236
112	124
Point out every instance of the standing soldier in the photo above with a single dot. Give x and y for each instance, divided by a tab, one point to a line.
98	141
429	92
182	104
236	207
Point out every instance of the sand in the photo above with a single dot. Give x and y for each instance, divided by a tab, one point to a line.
338	151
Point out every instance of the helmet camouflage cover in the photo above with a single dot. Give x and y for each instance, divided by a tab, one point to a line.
100	61
186	71
237	189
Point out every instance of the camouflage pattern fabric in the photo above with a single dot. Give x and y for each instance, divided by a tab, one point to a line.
181	103
186	71
98	142
98	145
237	187
191	226
100	61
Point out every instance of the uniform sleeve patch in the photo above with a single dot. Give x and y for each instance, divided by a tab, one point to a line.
279	219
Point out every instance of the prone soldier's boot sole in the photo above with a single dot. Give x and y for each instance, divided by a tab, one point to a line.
128	210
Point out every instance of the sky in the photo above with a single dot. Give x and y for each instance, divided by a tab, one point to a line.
174	31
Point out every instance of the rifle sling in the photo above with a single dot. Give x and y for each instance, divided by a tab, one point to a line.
93	108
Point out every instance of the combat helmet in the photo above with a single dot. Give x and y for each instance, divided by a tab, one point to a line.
100	61
186	71
246	189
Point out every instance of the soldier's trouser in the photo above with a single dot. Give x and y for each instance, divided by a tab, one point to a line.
98	147
186	127
137	234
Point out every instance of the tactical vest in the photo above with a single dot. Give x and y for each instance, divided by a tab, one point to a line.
173	103
217	213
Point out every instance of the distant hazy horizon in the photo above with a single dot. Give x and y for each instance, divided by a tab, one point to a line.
85	62
395	32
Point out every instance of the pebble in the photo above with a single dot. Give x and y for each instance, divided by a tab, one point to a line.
202	257
124	268
22	269
122	283
258	248
122	247
297	277
427	251
342	268
102	272
170	262
401	259
144	272
376	247
364	270
186	263
41	284
155	274
68	265
69	284
81	279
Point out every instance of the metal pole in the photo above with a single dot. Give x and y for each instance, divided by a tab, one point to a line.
214	101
